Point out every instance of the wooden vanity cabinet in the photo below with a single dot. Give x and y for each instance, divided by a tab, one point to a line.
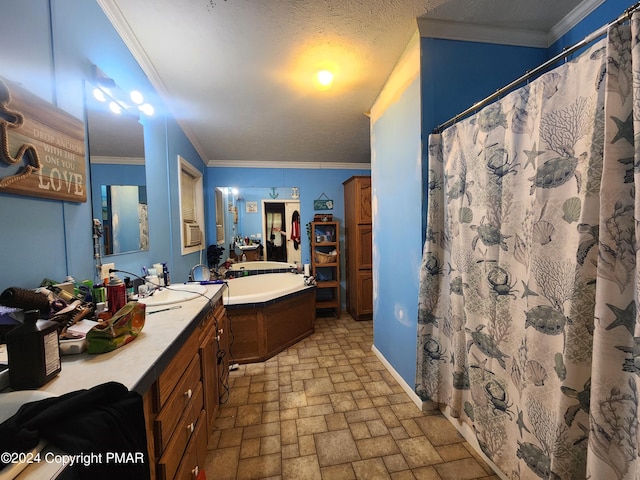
358	247
183	402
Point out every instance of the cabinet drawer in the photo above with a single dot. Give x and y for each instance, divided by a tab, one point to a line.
167	381
182	396
196	454
175	451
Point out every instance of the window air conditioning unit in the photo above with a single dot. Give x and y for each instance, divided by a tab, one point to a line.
192	234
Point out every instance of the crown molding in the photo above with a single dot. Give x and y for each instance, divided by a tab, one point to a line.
449	30
300	165
128	36
506	36
103	160
574	17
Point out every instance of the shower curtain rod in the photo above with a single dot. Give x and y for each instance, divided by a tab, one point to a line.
530	73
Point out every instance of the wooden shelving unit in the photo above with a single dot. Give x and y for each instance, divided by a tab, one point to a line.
325	264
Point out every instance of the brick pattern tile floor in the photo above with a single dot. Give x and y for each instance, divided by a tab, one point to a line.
327	409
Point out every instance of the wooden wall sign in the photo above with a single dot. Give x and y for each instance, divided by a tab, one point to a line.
41	147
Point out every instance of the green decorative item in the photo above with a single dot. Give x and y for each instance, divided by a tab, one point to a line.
323	203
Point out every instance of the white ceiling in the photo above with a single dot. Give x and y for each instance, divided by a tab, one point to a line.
236	74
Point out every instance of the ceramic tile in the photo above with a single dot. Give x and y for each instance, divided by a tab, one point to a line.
377	446
249	415
306	445
310	425
259	467
403	475
230	438
338	472
395	463
222	463
371	469
250	448
438	430
306	468
464	469
418	452
318	386
336	447
336	421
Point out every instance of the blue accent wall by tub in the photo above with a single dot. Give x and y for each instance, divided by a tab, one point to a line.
396	190
312	184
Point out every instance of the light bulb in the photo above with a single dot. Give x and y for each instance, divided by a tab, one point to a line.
147	109
99	95
324	78
136	97
115	108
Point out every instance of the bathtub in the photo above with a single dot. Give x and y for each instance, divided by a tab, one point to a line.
259	267
268	313
262	288
262	265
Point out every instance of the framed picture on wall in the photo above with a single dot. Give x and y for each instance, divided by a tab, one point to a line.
251	207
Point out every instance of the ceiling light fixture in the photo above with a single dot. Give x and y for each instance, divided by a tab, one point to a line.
324	79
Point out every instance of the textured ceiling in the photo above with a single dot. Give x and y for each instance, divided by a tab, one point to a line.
237	73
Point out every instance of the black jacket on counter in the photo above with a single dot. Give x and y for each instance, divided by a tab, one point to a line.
105	422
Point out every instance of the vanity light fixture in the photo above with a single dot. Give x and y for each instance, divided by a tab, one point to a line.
106	89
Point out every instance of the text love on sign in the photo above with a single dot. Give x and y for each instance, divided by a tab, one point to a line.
41	147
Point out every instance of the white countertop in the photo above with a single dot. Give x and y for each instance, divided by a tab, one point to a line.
135	365
132	365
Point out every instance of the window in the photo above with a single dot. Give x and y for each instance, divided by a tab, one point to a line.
219	216
191	207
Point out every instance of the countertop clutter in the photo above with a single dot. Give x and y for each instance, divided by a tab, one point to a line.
152	365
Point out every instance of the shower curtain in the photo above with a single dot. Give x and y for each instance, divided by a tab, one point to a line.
527	325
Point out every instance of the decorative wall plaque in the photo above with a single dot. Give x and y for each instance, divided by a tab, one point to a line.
41	147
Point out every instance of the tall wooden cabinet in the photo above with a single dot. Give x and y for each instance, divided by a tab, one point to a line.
325	264
358	247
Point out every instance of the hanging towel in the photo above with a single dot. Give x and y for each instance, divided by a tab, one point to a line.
295	229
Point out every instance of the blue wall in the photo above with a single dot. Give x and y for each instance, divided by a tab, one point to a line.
58	43
396	194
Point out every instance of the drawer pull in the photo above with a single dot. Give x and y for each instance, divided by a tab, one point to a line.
188	393
190	427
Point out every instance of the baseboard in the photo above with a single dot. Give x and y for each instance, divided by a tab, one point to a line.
428	405
423	406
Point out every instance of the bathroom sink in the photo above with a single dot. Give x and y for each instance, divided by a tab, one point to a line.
175	293
9	405
253	246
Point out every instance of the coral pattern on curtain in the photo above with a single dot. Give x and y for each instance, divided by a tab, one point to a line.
527	324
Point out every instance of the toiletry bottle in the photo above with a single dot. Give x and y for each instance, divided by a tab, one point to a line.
33	352
244	257
129	286
165	274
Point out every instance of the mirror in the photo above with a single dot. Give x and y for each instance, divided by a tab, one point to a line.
260	215
118	176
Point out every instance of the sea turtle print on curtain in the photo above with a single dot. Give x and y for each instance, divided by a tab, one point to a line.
527	327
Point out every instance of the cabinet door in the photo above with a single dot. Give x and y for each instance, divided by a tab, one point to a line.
209	368
364	246
363	203
365	293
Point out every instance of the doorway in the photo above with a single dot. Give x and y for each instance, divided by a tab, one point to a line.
281	234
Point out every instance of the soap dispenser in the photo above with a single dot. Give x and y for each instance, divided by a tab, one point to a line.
33	352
